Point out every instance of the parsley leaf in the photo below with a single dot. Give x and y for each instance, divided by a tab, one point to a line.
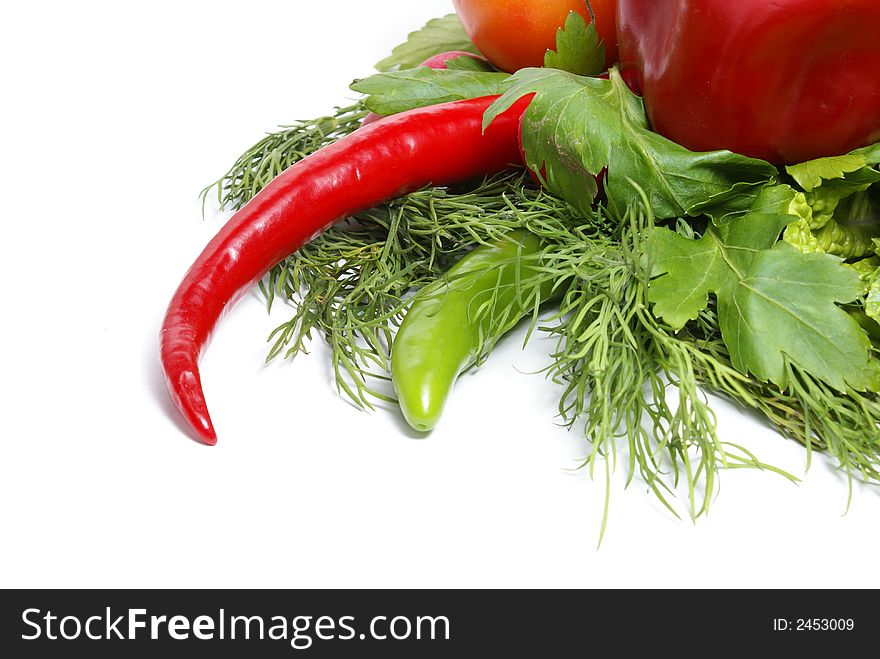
578	49
398	91
438	36
576	127
776	306
465	63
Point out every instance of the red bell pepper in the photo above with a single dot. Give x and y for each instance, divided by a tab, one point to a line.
786	81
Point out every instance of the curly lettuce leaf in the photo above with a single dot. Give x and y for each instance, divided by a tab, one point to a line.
872	299
845	241
848	168
828	181
866	268
813	173
843	214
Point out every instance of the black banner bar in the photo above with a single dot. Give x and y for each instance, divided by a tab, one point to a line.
419	623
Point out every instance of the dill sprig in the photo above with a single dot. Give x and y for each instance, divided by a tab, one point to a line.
624	377
816	415
350	283
277	151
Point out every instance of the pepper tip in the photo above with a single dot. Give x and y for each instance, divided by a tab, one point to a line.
201	423
186	390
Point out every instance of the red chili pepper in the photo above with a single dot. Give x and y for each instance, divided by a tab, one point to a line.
786	81
436	145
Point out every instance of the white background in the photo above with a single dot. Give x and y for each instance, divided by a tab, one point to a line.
114	115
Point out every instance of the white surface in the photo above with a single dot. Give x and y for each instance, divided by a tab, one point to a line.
114	117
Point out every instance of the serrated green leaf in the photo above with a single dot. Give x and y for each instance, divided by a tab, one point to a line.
465	63
439	35
775	304
696	268
674	255
811	174
828	181
843	215
399	91
825	199
786	308
577	126
578	49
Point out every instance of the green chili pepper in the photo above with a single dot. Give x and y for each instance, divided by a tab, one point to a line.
454	322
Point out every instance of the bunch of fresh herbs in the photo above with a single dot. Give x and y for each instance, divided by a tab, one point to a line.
678	273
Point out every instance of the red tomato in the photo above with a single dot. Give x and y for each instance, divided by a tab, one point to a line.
515	34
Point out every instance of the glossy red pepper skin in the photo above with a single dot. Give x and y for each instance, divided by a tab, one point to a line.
782	80
437	145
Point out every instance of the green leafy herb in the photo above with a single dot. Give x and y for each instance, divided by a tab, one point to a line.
627	377
813	173
578	49
390	93
439	35
872	299
465	63
576	127
846	424
855	169
277	151
841	215
828	181
776	306
848	241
